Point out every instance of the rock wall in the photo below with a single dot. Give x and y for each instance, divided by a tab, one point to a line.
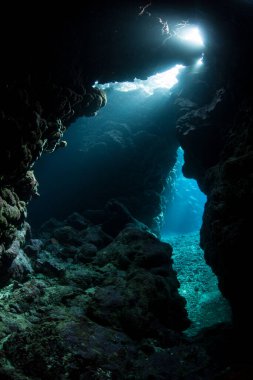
31	127
217	140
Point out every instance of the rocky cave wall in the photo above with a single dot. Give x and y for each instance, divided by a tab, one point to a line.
36	107
33	118
217	141
47	81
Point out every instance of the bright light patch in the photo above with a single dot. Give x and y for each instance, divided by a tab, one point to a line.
191	35
165	80
200	61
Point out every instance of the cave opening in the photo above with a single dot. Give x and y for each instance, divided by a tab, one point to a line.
128	141
184	205
88	290
182	221
131	141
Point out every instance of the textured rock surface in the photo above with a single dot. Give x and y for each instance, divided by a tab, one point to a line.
32	117
49	64
31	129
116	316
89	300
13	261
225	232
217	139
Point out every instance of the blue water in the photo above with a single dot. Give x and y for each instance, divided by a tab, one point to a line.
102	153
184	209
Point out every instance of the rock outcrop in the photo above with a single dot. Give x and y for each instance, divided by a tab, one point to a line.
102	307
90	298
217	140
32	125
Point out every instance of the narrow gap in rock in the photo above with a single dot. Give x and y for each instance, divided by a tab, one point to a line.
182	221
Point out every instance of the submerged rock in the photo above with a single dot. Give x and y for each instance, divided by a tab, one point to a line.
88	314
77	221
145	291
20	267
14	263
101	313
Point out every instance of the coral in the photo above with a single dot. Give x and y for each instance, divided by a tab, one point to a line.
27	187
12	214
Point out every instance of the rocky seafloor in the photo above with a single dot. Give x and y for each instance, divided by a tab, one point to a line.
91	300
198	284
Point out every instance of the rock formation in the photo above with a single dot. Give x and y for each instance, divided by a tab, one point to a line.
49	63
217	141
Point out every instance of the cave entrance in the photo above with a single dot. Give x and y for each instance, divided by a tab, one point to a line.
182	220
125	152
128	152
184	202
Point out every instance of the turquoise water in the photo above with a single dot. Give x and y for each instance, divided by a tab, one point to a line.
198	284
184	209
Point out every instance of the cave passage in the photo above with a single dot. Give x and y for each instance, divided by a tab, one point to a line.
118	269
184	209
182	220
198	284
126	152
129	152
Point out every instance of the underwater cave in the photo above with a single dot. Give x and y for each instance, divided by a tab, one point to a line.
126	191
